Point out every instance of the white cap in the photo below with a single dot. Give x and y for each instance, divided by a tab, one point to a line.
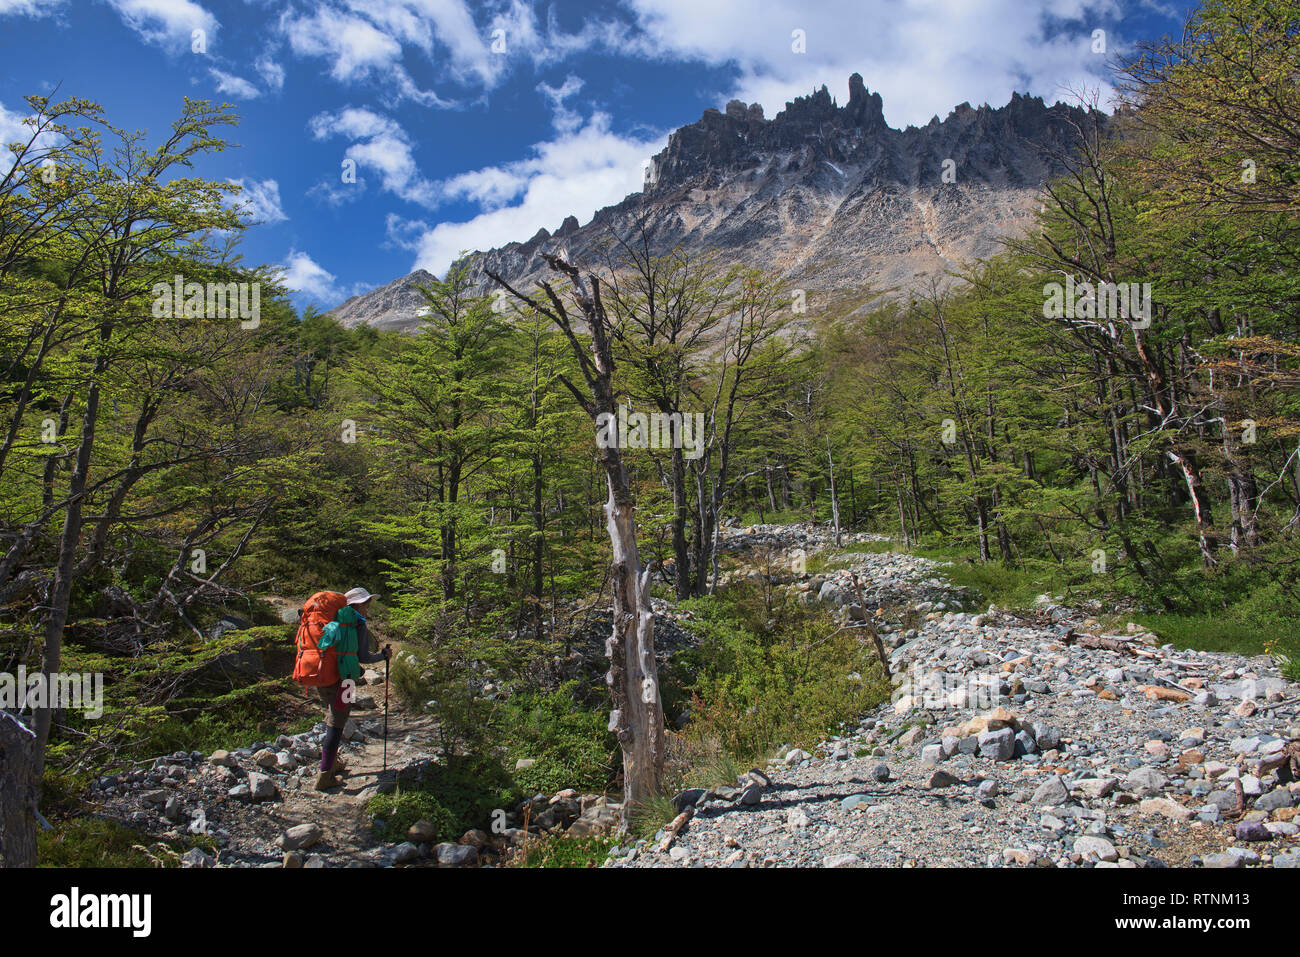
358	596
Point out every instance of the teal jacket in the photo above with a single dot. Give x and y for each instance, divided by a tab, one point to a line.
341	635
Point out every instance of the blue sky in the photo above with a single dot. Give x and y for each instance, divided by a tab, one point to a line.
472	124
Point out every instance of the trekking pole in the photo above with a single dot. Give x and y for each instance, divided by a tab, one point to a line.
386	657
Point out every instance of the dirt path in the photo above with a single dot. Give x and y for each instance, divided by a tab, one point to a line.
341	812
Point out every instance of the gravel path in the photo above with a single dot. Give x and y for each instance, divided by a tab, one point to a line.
1010	742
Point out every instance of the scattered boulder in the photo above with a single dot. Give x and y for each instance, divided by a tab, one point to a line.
1051	792
300	836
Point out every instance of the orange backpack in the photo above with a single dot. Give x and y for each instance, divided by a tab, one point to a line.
316	668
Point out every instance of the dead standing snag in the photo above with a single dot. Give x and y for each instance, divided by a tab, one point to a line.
636	718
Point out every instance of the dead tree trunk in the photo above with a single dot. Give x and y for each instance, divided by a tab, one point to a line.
17	794
835	502
637	718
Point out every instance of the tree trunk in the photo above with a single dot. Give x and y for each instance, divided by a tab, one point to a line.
60	593
835	505
637	715
18	794
681	552
636	719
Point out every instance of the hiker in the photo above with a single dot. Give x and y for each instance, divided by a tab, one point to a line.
333	643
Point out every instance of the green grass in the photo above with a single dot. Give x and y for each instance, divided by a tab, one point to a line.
566	851
95	842
455	797
649	817
769	670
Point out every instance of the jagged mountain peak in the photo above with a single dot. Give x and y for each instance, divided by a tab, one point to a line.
828	189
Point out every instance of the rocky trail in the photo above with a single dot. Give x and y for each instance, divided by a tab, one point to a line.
1014	741
258	802
1010	739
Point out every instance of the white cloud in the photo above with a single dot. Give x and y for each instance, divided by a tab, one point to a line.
234	85
355	48
29	8
922	56
381	146
167	23
14	130
565	120
271	72
574	174
404	233
259	202
304	275
369	39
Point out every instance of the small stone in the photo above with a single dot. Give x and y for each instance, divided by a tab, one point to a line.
405	852
796	756
456	855
422	831
998	745
688	798
880	773
300	836
1221	860
1000	718
842	860
1166	808
1276	800
942	779
1157	749
1095	788
261	787
1145	780
1099	847
1161	693
1252	831
196	857
912	736
1052	791
1025	744
752	794
1046	736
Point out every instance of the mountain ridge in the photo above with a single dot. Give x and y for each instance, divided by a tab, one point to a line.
829	190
